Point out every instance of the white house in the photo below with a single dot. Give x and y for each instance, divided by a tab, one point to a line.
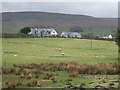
71	34
43	31
110	36
106	36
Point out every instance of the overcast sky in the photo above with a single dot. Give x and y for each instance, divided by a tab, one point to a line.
96	9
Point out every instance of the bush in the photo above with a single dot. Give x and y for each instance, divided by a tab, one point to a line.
25	30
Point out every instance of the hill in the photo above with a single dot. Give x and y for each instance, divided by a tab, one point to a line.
12	22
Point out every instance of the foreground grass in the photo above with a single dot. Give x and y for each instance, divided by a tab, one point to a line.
41	50
90	81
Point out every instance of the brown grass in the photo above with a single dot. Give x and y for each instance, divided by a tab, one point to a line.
74	69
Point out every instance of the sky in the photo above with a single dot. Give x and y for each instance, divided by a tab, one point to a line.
96	9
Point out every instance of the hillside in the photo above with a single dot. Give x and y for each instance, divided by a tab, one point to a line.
12	22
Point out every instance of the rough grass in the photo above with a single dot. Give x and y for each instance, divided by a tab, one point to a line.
11	76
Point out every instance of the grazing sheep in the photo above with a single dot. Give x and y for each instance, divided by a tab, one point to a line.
15	55
60	49
63	54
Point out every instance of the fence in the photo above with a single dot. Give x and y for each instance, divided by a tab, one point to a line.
8	35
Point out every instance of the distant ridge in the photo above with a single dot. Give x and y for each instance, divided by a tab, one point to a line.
14	21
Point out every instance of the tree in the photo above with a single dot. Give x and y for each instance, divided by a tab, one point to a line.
118	43
118	37
25	30
76	29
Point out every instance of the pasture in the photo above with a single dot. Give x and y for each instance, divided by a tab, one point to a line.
20	51
41	50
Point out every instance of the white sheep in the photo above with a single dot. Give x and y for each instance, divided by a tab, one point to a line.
60	49
63	54
15	55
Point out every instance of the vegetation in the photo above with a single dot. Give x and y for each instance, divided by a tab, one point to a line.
33	73
40	50
39	62
25	30
118	37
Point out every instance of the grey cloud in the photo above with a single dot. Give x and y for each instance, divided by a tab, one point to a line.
101	9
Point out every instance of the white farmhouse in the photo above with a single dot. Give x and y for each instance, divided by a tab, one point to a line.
110	36
71	34
106	36
43	31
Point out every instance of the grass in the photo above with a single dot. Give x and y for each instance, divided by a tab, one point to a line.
100	30
86	79
47	83
42	50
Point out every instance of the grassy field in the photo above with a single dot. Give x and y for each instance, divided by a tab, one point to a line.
100	30
44	50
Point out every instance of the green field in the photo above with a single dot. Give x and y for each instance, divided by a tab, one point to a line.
100	30
43	50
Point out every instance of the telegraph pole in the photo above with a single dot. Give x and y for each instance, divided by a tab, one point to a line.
90	37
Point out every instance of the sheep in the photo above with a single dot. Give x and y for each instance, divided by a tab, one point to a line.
63	54
15	55
60	49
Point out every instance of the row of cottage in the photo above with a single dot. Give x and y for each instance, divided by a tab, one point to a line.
53	32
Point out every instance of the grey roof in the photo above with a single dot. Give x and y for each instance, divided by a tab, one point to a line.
103	35
70	34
